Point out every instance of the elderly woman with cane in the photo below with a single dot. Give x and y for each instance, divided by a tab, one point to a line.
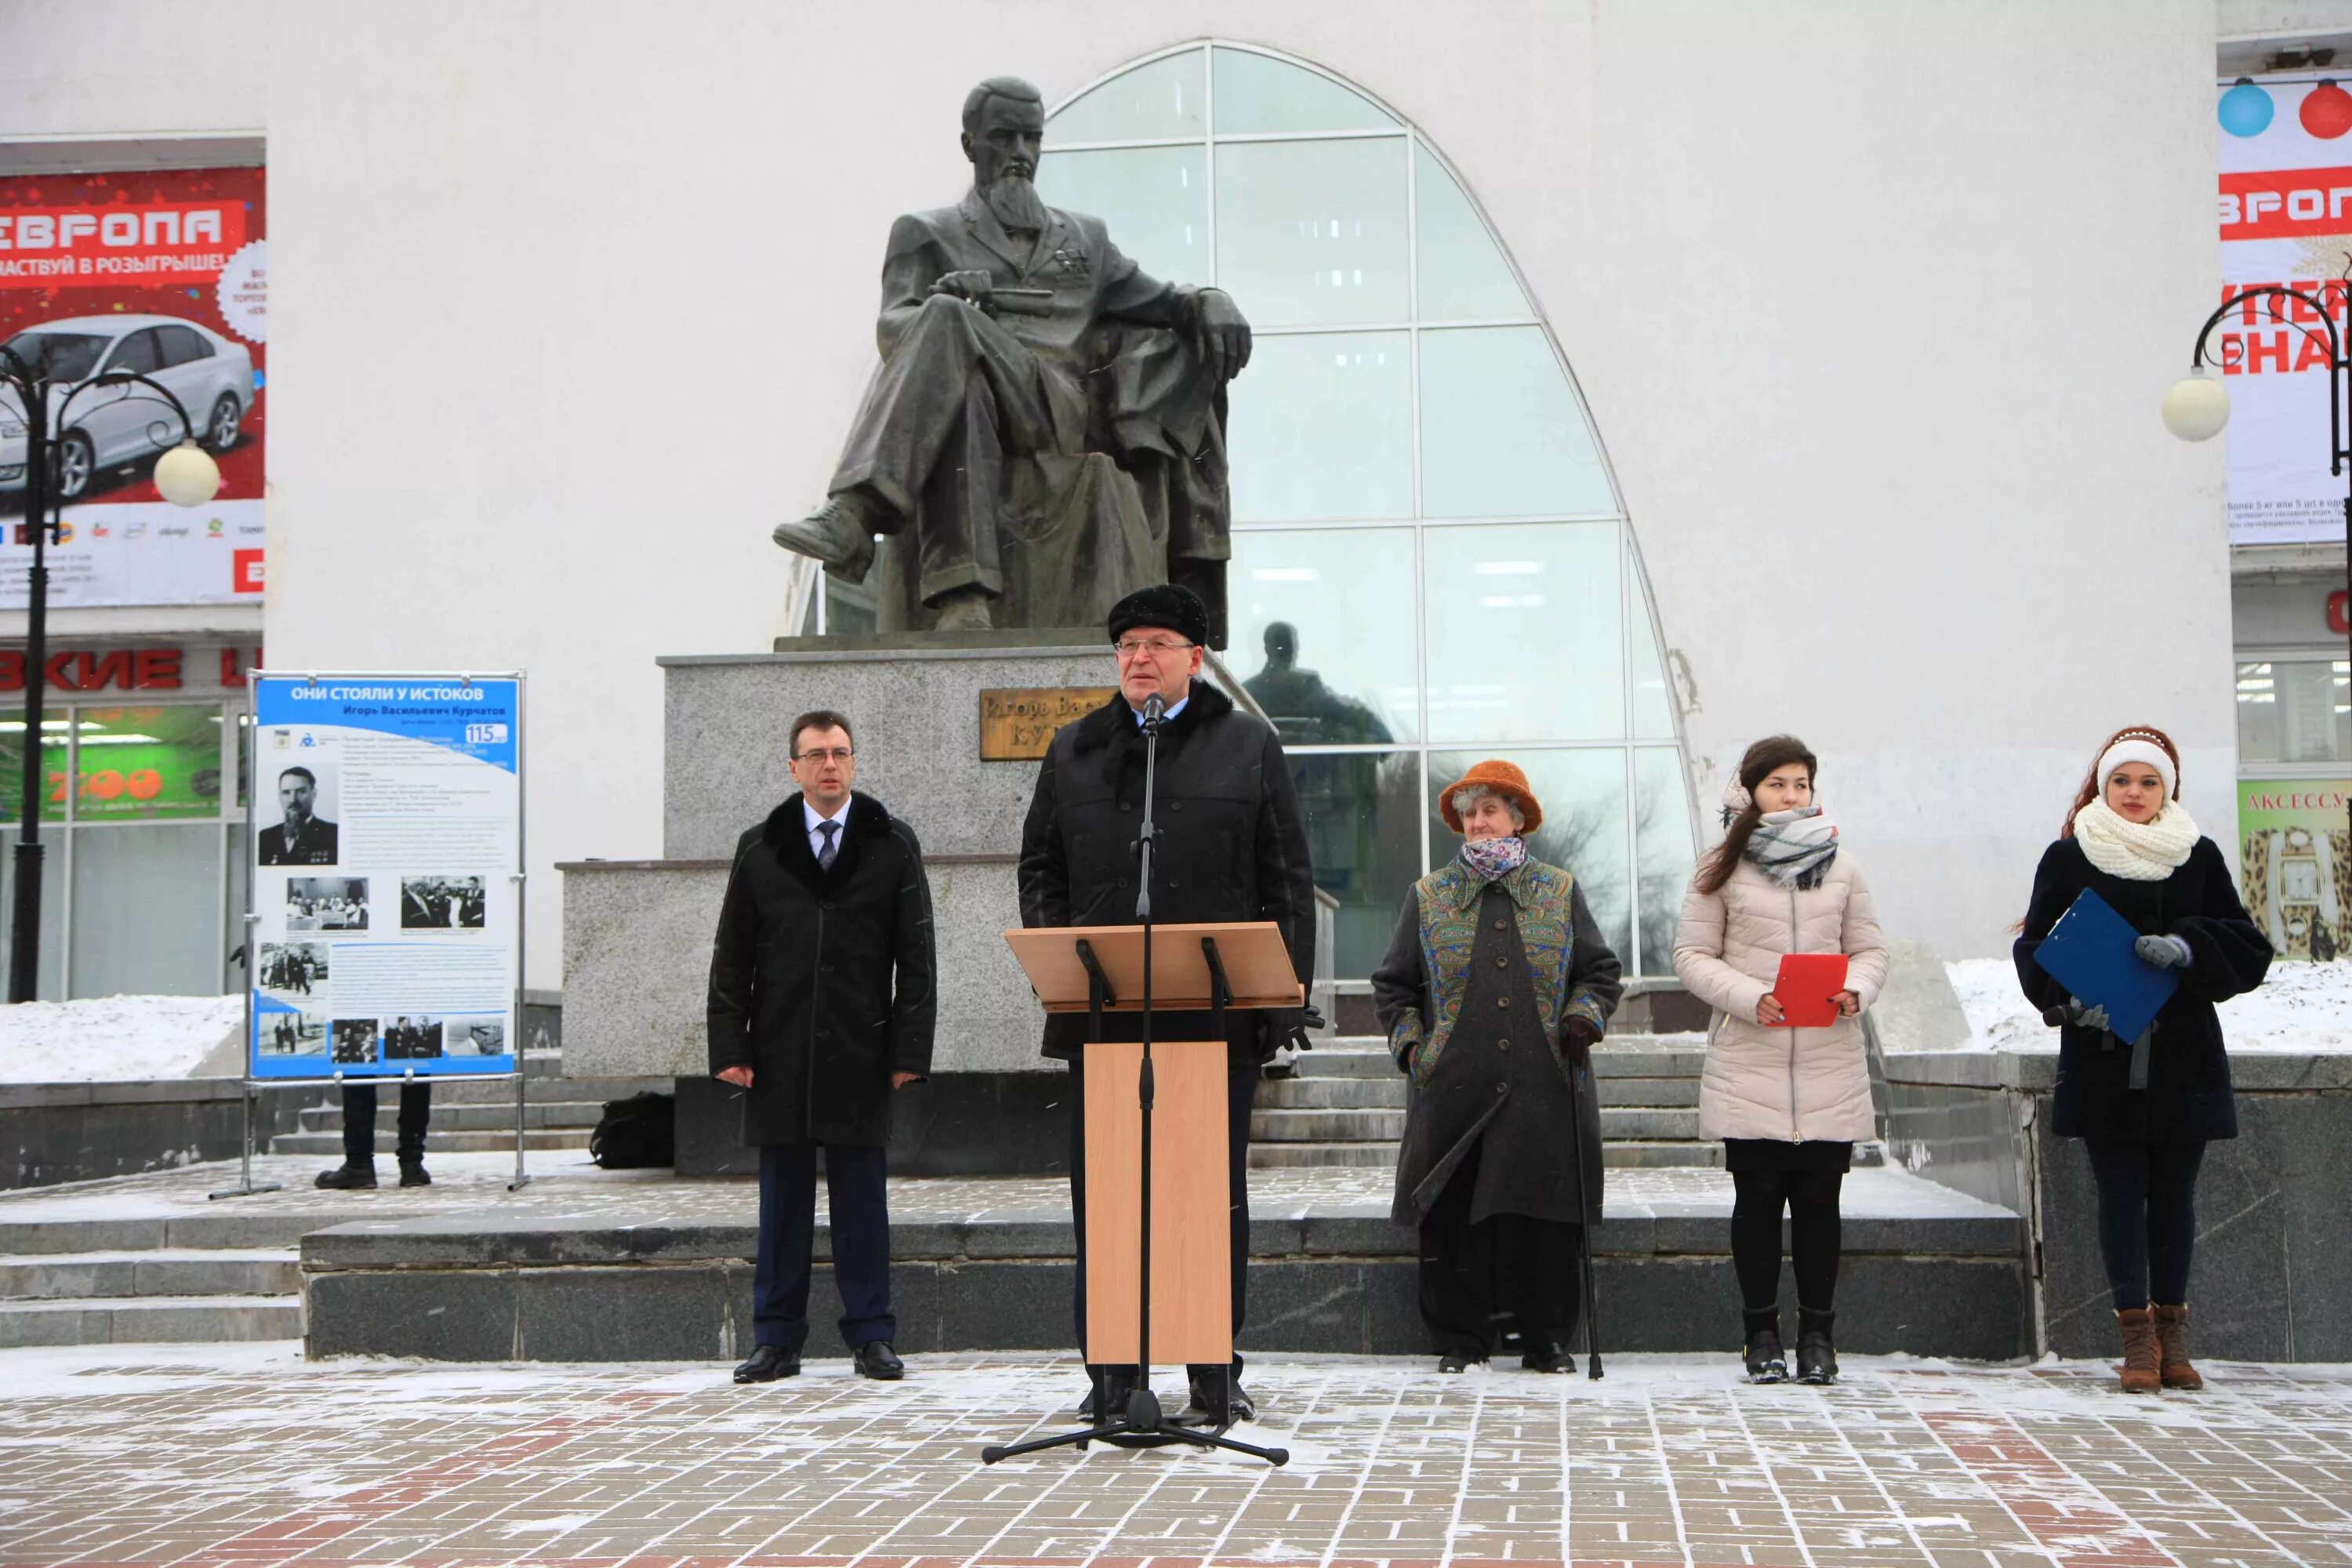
1495	989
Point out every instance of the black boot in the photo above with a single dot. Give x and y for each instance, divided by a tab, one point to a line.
348	1175
413	1172
1765	1361
1816	1356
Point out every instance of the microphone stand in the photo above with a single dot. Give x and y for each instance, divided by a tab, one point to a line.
1143	1425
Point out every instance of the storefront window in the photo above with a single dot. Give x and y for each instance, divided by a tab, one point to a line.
54	729
147	764
146	902
2295	711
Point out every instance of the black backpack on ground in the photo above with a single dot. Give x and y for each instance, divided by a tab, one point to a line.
639	1131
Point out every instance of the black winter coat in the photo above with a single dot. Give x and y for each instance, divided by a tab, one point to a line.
1232	847
824	983
2188	1097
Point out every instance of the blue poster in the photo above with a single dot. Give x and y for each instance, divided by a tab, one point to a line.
385	818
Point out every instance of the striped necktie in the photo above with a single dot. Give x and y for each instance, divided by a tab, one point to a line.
824	855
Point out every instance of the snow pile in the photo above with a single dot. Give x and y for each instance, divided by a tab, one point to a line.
113	1038
2300	1007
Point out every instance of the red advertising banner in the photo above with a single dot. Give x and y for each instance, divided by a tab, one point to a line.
166	273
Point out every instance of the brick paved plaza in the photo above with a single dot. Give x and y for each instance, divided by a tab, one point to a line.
246	1455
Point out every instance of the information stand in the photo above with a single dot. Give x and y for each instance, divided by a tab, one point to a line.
384	882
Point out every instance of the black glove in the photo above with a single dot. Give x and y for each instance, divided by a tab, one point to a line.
1281	1026
1578	1037
2073	1011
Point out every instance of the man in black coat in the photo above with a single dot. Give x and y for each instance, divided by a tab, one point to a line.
824	993
303	837
1231	845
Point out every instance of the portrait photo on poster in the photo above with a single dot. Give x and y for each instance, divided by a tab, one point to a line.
292	1034
326	903
293	970
473	1034
354	1042
442	903
409	1039
297	807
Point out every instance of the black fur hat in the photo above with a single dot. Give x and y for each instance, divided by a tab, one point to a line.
1164	604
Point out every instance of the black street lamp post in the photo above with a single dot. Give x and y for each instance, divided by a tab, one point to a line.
187	476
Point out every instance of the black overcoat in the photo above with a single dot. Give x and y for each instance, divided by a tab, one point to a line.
1502	1083
1232	847
2188	1095
824	983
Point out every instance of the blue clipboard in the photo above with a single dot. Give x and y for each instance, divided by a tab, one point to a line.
2089	952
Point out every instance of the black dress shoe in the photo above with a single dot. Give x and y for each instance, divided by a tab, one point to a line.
347	1177
1198	1413
768	1363
877	1361
411	1174
1555	1359
1454	1362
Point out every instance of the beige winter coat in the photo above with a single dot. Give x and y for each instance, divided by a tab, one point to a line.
1789	1084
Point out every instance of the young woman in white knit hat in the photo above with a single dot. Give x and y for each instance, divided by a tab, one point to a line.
2145	1108
1789	1103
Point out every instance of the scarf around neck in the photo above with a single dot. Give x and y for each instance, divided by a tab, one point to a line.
2136	851
1794	846
1495	858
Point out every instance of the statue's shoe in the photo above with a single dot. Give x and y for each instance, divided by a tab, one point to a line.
964	610
836	534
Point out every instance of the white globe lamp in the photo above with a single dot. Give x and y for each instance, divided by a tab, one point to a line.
187	476
2197	408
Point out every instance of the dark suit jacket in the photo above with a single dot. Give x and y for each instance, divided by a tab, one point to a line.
319	847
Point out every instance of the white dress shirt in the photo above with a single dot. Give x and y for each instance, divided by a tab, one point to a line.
1165	715
811	815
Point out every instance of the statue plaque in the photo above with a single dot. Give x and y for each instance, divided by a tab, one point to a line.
1017	724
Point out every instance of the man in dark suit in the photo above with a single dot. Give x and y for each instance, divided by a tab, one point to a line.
304	838
1231	845
993	335
822	998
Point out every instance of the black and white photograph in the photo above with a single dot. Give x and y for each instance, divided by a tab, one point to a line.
296	811
474	1034
290	971
412	1040
354	1041
326	903
295	1034
441	903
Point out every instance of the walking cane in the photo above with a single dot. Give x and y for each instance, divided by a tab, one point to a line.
1584	1221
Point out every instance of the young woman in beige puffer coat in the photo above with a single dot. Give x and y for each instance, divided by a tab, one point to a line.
1789	1104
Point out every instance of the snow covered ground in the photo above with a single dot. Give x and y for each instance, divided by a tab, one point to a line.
2300	1007
109	1038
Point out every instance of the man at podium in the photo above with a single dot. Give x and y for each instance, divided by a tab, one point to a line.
1231	845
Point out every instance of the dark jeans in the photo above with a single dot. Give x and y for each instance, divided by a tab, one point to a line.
1810	1199
359	1120
858	1197
2147	1217
1241	1092
1509	1281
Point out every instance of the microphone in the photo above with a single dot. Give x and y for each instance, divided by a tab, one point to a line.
1155	708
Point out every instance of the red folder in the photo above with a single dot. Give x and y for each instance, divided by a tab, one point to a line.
1808	985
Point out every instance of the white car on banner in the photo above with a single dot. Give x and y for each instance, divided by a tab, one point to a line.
212	376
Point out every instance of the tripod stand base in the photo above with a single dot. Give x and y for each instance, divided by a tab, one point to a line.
248	1190
1143	1427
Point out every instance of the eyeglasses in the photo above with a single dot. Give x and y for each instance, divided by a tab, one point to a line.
826	755
1157	648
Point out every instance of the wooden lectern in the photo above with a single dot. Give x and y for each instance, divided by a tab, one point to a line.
1194	968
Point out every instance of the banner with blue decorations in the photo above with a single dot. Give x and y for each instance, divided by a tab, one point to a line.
2285	219
386	836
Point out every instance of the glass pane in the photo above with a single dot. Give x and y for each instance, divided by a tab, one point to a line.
1654	714
53	911
53	765
848	607
1583	797
1163	98
240	875
1363	836
146	763
1325	620
1312	232
244	753
1523	632
1461	271
1322	428
1154	199
2258	713
1662	837
1500	433
2314	709
146	911
1257	93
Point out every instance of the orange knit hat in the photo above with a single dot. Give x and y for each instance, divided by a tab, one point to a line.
1503	780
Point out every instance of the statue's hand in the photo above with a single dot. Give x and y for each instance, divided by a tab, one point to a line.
973	286
1224	337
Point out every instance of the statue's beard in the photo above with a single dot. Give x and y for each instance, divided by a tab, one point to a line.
1014	201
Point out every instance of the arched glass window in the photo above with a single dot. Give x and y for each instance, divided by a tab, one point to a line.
1431	563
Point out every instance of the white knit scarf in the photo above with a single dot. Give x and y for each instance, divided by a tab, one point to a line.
1794	846
2136	851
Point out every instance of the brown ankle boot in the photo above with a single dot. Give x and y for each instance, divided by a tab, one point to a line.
2138	1370
2173	1348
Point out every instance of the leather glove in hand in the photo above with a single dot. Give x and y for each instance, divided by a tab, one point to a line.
2164	951
1578	1037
